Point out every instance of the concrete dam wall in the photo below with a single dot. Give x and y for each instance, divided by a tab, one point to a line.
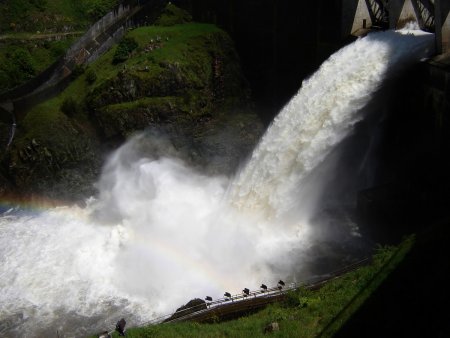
431	15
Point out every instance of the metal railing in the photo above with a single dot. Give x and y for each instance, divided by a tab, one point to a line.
425	14
378	12
269	295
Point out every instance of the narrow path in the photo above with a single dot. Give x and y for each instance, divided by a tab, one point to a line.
39	36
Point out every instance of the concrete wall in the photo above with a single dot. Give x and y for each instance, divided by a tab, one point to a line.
98	28
407	14
442	21
354	12
99	34
362	18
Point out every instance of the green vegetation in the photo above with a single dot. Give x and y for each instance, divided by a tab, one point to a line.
172	15
91	76
176	43
126	46
95	9
33	34
42	16
305	313
185	78
17	67
70	107
21	60
162	56
51	16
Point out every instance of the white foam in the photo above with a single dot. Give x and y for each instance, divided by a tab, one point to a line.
319	116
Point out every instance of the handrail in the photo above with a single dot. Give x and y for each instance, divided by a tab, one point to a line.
277	291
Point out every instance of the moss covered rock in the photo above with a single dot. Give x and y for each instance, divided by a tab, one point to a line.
53	156
172	15
185	80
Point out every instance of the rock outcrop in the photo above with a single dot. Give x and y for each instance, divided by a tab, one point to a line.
192	306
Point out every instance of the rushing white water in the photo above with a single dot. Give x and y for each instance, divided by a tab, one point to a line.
161	233
321	114
158	236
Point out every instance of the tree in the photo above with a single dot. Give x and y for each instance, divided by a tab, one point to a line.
124	49
95	9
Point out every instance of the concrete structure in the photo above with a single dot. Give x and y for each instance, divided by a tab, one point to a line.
442	22
401	13
431	15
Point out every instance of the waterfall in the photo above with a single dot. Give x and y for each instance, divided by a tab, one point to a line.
320	116
161	233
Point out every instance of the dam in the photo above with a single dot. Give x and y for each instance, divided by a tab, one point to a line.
358	16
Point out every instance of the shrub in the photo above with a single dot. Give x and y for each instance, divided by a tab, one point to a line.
77	71
57	48
95	9
172	15
91	76
39	4
70	106
5	81
22	60
124	49
16	68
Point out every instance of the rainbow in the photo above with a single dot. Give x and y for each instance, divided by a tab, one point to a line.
31	203
158	247
162	248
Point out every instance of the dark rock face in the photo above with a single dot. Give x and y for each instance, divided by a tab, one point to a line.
192	306
57	166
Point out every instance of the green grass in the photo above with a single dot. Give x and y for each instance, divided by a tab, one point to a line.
176	44
142	103
180	42
50	15
305	313
25	23
43	53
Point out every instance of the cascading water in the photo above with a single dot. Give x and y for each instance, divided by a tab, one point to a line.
321	114
161	233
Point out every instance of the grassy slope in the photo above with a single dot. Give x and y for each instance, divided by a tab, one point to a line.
305	313
22	26
178	44
41	53
45	16
175	49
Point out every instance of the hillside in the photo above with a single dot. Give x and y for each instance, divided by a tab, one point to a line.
182	80
50	16
34	33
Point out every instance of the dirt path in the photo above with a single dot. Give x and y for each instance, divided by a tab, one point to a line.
39	36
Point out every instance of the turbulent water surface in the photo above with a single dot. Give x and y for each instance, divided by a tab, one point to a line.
161	233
